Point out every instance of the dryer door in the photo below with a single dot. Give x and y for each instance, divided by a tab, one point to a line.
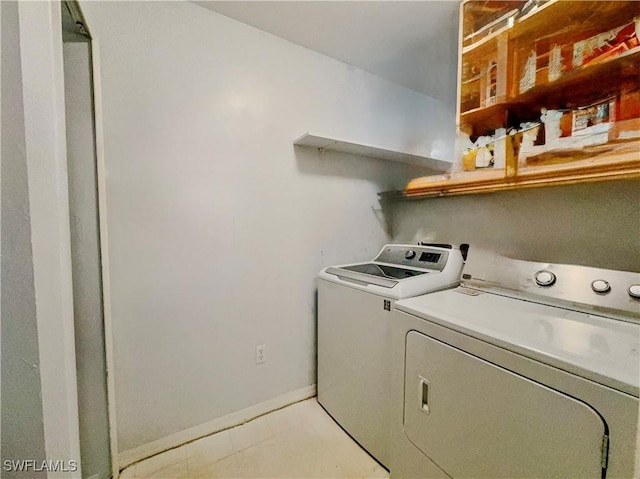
475	419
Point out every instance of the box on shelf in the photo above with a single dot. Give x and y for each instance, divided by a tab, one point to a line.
594	121
528	73
489	152
627	124
604	46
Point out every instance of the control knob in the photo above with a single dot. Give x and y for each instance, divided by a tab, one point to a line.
545	278
600	286
410	254
634	291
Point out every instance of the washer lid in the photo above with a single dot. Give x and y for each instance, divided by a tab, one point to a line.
385	276
601	349
384	271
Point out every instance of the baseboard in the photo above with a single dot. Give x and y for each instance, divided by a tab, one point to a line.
126	458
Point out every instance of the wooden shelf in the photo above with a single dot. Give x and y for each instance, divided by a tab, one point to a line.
556	15
582	86
624	172
481	47
483	20
610	161
456	183
325	143
610	156
480	120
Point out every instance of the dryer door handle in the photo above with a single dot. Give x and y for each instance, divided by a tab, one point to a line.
424	390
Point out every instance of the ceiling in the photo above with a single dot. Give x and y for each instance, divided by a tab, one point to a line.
413	44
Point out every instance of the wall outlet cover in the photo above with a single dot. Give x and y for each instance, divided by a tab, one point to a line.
261	354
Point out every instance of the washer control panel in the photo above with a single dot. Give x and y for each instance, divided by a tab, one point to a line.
430	257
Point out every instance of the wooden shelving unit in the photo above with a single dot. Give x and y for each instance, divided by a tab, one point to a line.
578	59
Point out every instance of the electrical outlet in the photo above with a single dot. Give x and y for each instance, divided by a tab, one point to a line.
261	354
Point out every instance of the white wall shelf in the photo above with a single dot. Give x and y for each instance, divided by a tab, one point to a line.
332	144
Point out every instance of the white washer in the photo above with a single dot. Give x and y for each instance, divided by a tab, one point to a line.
354	307
526	370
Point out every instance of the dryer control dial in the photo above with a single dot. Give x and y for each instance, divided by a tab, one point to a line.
634	291
545	278
600	286
410	254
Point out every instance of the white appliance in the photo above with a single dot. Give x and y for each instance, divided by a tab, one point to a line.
354	307
525	370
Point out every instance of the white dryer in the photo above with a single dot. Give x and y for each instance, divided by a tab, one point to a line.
354	307
525	370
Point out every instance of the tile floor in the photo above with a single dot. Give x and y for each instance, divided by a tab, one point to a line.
299	441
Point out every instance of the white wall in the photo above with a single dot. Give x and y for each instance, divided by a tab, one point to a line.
593	224
21	406
217	225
